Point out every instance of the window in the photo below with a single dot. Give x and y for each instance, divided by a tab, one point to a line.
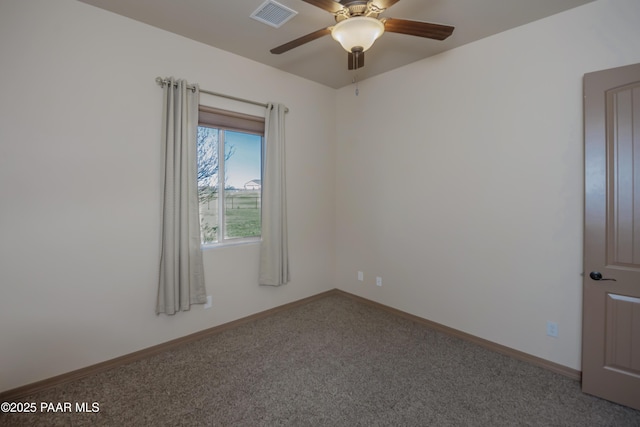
229	149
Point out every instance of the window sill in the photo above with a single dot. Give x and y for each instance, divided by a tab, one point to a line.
234	242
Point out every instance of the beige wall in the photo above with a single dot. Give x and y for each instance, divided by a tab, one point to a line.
460	180
80	196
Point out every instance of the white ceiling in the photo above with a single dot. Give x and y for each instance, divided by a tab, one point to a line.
226	24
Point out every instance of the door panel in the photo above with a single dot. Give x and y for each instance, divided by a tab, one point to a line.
622	344
611	308
624	147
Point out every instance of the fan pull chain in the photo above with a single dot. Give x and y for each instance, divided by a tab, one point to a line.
355	81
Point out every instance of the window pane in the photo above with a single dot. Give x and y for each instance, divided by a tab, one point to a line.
208	183
243	185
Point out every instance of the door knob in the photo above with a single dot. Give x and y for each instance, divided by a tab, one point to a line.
595	275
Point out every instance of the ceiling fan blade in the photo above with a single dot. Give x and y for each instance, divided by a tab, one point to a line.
355	60
328	5
417	28
300	41
385	4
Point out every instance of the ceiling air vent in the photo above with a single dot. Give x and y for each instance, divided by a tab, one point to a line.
273	13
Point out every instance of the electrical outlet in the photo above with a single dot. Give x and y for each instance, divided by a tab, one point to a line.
360	276
209	302
552	329
378	281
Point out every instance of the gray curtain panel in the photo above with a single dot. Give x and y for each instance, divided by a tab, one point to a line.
274	250
181	281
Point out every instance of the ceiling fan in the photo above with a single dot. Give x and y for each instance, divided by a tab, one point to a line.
358	26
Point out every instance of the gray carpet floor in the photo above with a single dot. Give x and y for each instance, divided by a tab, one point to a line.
332	362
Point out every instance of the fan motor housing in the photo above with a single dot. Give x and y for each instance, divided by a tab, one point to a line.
357	8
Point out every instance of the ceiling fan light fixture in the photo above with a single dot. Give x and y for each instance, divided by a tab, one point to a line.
357	32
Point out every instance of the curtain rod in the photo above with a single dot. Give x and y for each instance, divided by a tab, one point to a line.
163	82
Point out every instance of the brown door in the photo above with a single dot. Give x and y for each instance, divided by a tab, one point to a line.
611	299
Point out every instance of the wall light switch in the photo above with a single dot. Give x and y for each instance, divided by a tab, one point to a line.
360	276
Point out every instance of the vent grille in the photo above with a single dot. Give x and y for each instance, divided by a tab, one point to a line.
273	13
